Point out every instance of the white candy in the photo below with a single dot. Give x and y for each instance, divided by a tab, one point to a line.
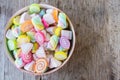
54	63
19	63
35	57
40	53
10	35
16	31
67	34
49	18
29	66
50	30
49	11
47	37
25	16
26	48
33	15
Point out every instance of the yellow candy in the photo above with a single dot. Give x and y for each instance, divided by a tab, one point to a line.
57	31
23	39
35	47
60	55
16	20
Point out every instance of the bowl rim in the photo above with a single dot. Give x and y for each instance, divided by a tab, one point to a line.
7	26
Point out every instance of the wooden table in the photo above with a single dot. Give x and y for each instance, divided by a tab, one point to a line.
97	52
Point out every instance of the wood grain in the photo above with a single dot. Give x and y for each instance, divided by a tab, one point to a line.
97	52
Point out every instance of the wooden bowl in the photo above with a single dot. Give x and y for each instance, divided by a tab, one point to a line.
8	25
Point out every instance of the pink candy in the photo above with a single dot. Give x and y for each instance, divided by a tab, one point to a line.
40	38
45	23
27	57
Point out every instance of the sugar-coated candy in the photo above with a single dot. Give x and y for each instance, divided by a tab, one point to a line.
34	8
40	53
49	11
12	45
26	26
24	17
64	43
22	39
30	66
19	63
37	22
31	34
9	34
40	38
41	65
59	48
26	48
16	20
27	57
60	55
16	31
42	12
51	30
67	34
62	22
47	35
54	63
35	57
52	44
17	53
35	47
46	25
55	15
49	18
33	15
57	31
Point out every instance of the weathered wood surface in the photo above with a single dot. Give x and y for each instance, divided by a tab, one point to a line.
97	52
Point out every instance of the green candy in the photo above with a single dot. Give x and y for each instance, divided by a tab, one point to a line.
34	8
12	44
31	35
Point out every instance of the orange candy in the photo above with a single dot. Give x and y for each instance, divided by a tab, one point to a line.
26	26
41	65
55	15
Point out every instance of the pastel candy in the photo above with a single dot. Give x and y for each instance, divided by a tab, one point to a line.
52	44
51	30
41	65
46	25
19	63
27	58
55	15
16	20
17	53
62	22
49	18
9	34
65	43
30	66
35	57
49	11
60	55
57	31
42	12
67	34
35	47
12	45
40	53
34	8
33	15
47	36
24	17
22	39
59	48
16	31
26	48
40	38
36	21
54	63
26	26
31	34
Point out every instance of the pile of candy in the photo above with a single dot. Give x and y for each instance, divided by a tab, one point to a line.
39	39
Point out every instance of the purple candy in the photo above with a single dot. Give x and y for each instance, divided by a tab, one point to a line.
65	43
